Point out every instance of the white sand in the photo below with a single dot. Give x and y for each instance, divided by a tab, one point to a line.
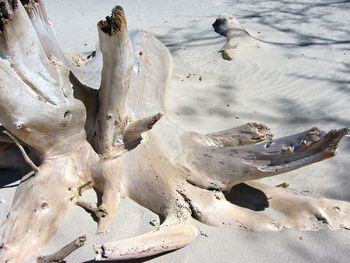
300	81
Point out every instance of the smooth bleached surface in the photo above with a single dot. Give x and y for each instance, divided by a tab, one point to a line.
291	75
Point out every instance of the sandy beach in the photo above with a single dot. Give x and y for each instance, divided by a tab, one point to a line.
292	74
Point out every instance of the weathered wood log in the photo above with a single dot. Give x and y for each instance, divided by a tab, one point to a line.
114	141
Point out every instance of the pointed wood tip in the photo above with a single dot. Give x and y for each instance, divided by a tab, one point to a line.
154	120
8	8
114	24
332	140
262	131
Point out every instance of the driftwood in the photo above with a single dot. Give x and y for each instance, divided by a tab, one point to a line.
117	142
235	34
64	252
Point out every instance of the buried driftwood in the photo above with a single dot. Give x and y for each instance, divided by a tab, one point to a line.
117	142
235	34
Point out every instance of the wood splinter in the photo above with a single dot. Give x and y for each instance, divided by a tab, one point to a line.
64	252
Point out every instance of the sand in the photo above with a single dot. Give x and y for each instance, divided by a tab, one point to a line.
291	75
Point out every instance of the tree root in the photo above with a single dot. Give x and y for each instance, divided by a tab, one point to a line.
220	168
173	234
312	213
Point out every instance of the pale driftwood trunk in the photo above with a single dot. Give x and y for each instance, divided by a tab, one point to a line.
121	145
115	80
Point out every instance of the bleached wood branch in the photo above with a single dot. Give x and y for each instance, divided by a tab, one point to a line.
222	167
64	252
172	234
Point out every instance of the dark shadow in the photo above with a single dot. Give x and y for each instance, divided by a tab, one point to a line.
88	96
186	110
303	115
289	16
219	112
9	177
197	37
249	197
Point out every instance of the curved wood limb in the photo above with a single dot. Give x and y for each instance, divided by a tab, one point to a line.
222	167
211	207
174	233
305	212
284	210
37	209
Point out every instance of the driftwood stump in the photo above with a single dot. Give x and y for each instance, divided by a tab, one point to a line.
101	127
